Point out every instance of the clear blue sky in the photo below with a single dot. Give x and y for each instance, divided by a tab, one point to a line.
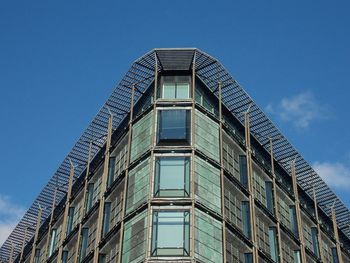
59	61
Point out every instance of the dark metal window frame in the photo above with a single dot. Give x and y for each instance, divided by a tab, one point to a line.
186	231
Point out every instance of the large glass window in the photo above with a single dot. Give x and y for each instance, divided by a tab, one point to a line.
53	241
243	172
173	126
248	258
246	219
314	234
89	196
70	220
293	220
171	233
273	243
176	87
335	255
297	257
84	243
111	168
172	177
64	256
106	218
269	196
37	256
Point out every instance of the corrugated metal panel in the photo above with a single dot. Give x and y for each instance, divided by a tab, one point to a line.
175	59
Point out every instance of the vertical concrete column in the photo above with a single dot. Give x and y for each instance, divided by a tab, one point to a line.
131	116
336	235
24	243
37	227
77	245
298	212
103	190
66	211
154	131
319	237
47	245
11	252
250	185
192	173
222	173
275	203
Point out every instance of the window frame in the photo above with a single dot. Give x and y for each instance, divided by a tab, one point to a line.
176	83
84	243
53	241
107	209
273	243
70	220
186	234
186	177
174	142
111	171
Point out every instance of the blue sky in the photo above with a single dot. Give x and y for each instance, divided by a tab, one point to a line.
59	61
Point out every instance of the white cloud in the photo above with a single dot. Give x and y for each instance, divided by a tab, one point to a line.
301	110
336	175
10	214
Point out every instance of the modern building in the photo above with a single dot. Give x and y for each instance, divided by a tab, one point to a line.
180	165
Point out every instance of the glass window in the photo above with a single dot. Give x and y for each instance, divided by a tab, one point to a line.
102	258
273	244
111	167
243	172
269	196
173	126
297	258
173	90
248	258
64	256
37	256
70	220
53	241
106	218
84	243
335	255
172	177
246	219
293	220
89	196
314	241
170	235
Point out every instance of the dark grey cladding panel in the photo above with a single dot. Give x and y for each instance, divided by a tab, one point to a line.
175	59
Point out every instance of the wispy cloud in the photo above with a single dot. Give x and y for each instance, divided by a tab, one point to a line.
336	174
10	213
301	110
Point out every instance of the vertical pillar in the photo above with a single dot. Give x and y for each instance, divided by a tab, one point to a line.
128	156
336	235
298	212
318	226
11	252
77	245
149	214
23	243
250	185
222	173
103	190
192	173
37	227
66	210
50	224
275	201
